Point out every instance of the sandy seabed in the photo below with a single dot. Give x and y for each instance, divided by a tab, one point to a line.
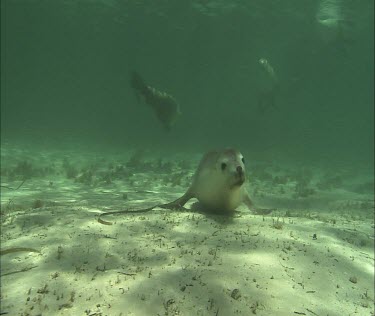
313	255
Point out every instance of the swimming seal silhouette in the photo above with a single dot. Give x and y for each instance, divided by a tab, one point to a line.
268	85
164	105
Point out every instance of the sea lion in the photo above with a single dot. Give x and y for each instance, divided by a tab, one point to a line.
337	24
165	106
218	185
268	86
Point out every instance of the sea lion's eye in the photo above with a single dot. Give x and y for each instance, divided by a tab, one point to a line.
243	160
223	165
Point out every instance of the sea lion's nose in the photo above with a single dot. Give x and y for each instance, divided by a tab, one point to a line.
239	169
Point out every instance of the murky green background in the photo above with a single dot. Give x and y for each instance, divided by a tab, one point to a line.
65	75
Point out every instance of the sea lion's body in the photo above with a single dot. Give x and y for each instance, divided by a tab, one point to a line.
218	185
165	106
218	181
268	84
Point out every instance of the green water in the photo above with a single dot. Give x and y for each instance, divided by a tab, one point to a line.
65	70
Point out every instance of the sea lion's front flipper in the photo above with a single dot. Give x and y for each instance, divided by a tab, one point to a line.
179	203
263	211
258	211
247	201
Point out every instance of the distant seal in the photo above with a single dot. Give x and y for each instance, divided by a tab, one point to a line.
164	105
218	185
268	84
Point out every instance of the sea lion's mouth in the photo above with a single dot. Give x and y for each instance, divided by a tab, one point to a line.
240	180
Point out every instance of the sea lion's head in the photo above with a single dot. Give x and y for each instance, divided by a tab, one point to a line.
232	165
266	66
263	62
